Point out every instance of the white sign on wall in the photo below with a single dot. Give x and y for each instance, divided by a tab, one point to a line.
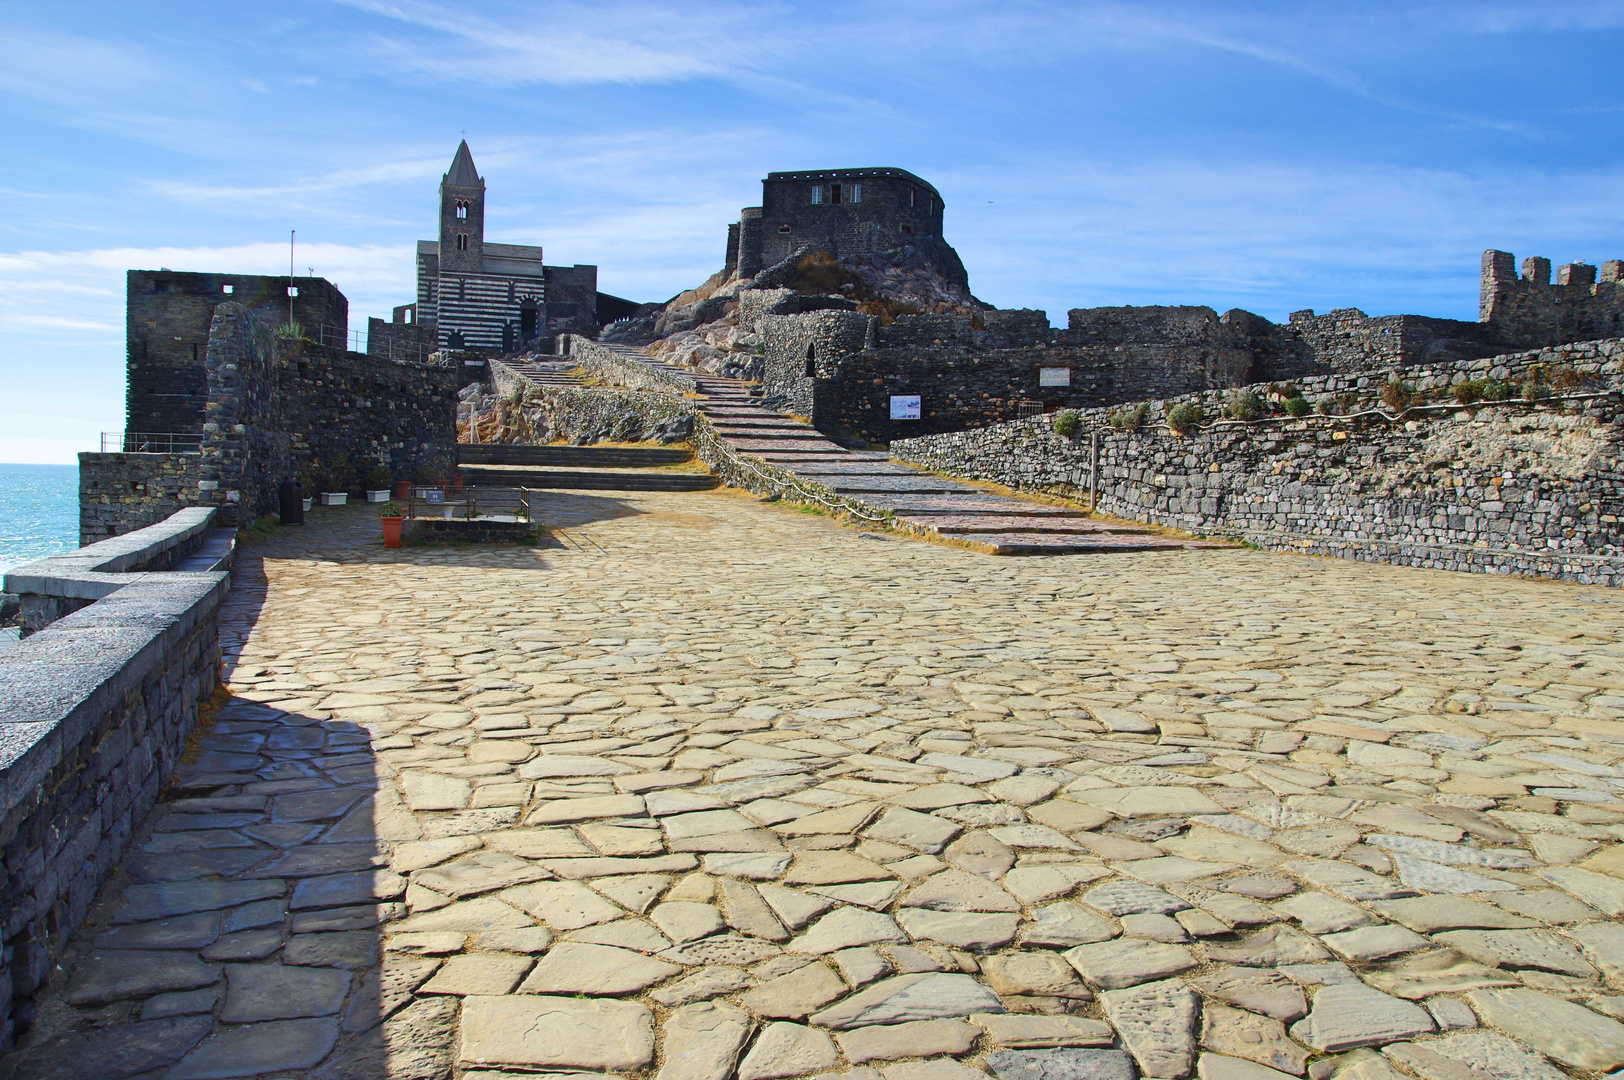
1054	376
905	406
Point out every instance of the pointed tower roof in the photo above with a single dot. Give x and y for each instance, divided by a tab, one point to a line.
463	173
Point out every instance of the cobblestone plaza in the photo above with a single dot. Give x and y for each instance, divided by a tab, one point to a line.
706	788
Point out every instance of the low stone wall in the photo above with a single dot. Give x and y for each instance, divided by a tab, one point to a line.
95	709
1527	488
122	492
429	530
601	362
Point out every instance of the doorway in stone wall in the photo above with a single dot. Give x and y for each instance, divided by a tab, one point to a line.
527	318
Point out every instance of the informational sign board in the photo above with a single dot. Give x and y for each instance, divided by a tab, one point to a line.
1054	376
905	406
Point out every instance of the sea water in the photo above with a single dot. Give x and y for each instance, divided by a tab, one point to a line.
39	516
39	512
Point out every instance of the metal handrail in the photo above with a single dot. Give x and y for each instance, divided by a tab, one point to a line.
151	442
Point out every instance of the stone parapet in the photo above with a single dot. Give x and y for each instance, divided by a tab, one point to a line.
95	709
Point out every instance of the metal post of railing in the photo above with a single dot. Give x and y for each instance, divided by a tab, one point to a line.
1094	473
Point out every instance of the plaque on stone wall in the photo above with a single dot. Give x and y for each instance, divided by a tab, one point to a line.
1054	376
905	406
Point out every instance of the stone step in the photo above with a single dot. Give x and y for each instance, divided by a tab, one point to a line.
595	479
1052	544
1002	523
977	504
574	457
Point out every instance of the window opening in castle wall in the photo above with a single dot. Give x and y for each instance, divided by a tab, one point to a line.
462	241
817	194
462	211
856	193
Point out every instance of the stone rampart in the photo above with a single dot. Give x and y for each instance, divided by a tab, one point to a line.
122	492
275	407
1525	487
95	709
1532	310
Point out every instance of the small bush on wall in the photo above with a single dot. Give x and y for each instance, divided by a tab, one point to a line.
1245	405
1183	418
1066	423
1397	396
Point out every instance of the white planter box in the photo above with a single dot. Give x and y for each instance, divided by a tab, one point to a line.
335	498
308	503
378	496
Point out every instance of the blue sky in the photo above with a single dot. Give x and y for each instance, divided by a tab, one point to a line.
1266	156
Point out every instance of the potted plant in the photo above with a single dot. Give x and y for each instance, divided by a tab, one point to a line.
393	515
377	484
307	482
403	490
338	480
428	479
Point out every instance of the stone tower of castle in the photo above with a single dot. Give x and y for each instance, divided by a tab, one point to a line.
462	215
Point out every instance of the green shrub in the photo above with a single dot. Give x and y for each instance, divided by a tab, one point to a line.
378	477
1245	405
1397	396
427	475
1066	423
1130	419
1470	391
1182	418
1494	390
1534	388
1298	406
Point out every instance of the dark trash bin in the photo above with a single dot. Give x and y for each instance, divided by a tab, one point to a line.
292	495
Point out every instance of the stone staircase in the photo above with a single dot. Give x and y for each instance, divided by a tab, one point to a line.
950	509
599	468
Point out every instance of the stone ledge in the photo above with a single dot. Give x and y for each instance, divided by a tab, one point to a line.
56	685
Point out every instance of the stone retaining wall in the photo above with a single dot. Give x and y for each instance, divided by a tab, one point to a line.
583	415
1526	487
1518	488
601	362
95	709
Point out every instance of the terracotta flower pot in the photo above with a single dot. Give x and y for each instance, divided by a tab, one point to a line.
391	531
403	489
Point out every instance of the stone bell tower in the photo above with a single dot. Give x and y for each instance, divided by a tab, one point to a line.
462	215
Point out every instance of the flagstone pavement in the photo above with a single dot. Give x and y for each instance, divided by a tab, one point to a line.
709	789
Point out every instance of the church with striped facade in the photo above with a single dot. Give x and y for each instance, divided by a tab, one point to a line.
477	295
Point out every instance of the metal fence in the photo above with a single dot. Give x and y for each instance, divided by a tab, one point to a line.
471	502
151	442
338	337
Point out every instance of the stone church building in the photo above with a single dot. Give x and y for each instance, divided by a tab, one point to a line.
478	295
